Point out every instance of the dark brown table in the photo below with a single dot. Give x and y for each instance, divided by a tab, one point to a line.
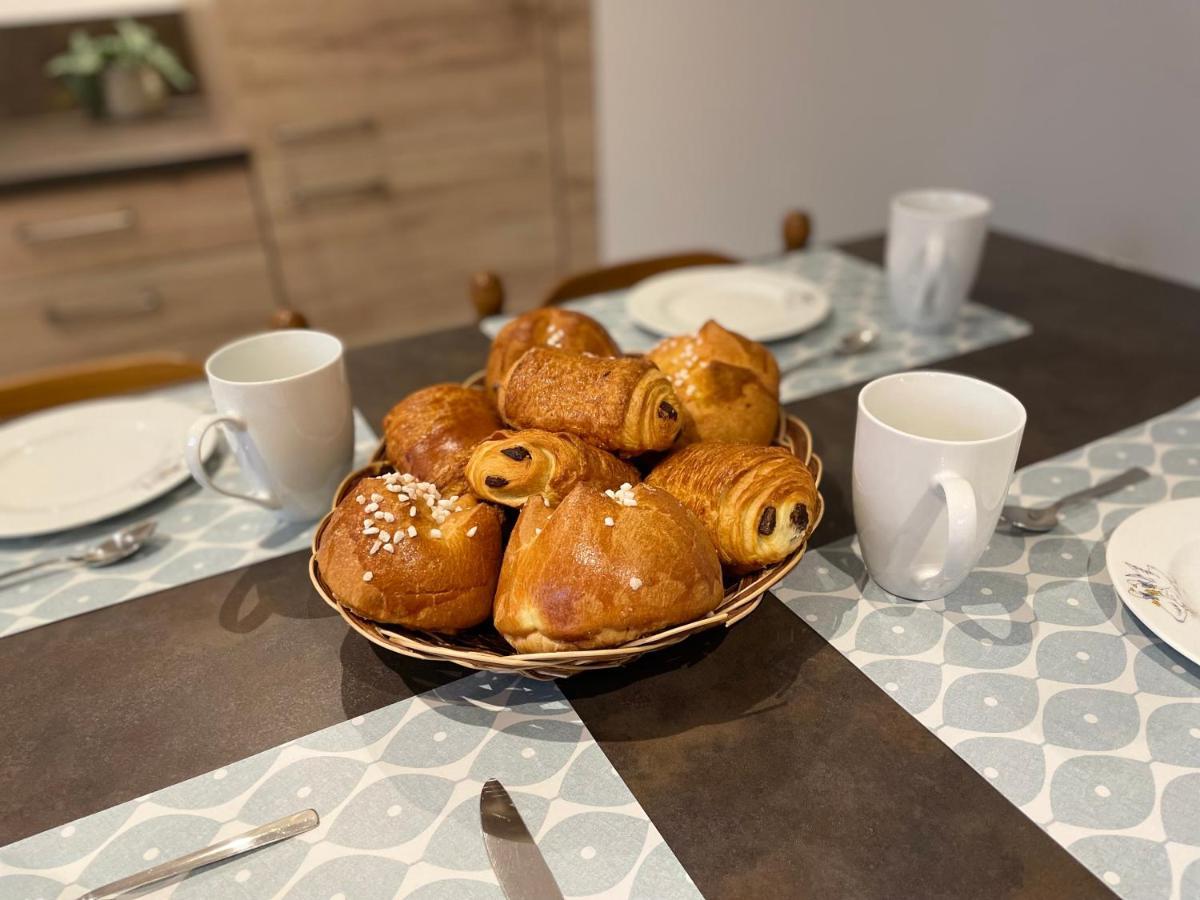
770	764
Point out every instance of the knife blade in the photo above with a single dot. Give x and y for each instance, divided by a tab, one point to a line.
518	863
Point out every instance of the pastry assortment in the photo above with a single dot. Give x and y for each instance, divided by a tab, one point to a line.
580	499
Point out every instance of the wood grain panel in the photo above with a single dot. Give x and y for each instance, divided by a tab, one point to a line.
51	231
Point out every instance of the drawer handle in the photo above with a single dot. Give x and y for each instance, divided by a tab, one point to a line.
323	131
93	225
146	303
373	186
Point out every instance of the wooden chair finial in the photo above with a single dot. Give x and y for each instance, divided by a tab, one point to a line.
797	229
288	318
487	294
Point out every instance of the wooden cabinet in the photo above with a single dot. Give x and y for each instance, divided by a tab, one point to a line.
402	145
147	261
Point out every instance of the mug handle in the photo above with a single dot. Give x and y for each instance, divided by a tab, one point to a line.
195	441
933	264
962	523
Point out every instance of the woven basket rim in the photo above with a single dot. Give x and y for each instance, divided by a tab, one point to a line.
741	597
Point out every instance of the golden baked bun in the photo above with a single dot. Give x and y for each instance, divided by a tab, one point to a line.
728	385
758	504
512	466
431	433
623	405
396	551
603	568
548	326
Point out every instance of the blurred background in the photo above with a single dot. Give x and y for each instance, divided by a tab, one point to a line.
174	173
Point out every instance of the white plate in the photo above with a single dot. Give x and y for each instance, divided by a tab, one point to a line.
1154	562
762	304
78	464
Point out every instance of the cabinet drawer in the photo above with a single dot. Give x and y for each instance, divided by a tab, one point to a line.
191	305
55	230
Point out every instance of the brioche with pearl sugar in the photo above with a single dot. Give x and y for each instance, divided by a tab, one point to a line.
728	385
395	550
758	504
512	466
431	433
547	326
602	569
623	405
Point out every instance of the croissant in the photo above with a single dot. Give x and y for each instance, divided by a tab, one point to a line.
758	504
624	405
728	385
396	551
510	467
603	568
548	326
431	433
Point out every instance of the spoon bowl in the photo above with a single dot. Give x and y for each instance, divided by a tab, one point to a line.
117	546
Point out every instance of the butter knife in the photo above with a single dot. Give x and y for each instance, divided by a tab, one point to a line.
518	863
272	832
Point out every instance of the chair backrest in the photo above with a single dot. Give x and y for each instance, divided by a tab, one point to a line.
487	289
44	388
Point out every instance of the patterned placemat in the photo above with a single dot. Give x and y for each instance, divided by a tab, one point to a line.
858	294
200	533
398	795
1036	675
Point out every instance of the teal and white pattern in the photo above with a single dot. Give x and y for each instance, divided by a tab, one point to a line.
200	533
397	791
1035	674
858	295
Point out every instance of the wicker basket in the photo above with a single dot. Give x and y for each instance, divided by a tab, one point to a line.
483	648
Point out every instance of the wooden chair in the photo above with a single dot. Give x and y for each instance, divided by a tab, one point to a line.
487	289
44	388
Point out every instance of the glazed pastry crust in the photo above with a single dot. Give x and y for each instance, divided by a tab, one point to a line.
623	405
432	432
728	385
548	326
567	582
758	504
433	584
512	466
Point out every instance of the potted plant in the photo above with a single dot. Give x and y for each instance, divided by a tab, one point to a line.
122	75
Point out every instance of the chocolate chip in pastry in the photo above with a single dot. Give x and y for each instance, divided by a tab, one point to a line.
512	466
604	568
396	551
758	504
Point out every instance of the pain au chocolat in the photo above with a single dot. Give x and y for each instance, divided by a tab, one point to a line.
548	326
510	467
396	551
603	568
623	405
728	385
431	433
758	504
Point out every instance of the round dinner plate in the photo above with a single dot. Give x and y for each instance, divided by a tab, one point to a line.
78	464
762	304
1154	562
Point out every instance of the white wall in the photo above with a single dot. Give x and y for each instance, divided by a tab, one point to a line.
1080	118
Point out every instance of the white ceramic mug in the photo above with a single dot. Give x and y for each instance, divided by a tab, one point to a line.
933	458
283	400
934	241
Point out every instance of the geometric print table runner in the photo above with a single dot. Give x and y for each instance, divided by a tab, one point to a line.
858	298
1037	676
397	791
200	533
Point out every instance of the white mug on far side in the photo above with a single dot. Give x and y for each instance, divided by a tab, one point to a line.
934	241
283	400
934	454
